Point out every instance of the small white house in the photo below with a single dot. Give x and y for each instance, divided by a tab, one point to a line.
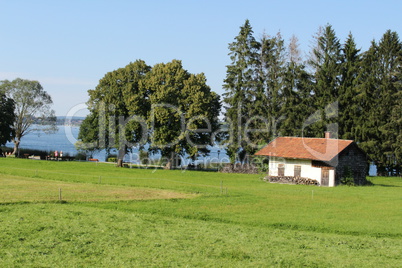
325	160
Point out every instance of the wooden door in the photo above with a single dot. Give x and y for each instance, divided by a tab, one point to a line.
324	176
281	170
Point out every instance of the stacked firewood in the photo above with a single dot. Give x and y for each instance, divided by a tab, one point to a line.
291	180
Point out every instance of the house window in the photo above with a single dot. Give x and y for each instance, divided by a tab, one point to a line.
281	170
297	171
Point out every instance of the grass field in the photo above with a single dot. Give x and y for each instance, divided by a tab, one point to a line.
124	217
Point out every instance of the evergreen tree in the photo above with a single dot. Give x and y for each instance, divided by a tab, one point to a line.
272	92
296	98
348	103
396	123
326	64
240	83
380	98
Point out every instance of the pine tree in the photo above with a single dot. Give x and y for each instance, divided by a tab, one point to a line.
296	98
326	63
348	108
390	52
379	97
271	77
240	83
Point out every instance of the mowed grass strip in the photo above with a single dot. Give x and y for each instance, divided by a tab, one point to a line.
14	189
71	235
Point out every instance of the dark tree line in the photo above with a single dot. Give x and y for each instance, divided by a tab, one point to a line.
7	118
270	91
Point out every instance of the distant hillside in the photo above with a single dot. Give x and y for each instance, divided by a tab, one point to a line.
75	120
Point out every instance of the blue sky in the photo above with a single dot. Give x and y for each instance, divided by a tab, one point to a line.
69	45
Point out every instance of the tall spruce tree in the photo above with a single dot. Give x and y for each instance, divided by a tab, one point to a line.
396	123
380	97
240	83
271	73
296	98
390	51
347	95
326	64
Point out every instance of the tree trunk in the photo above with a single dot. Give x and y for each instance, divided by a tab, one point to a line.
122	153
16	147
168	164
173	161
119	163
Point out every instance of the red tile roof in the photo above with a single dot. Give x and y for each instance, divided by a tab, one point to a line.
305	148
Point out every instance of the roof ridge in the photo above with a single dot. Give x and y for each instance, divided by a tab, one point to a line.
323	149
311	138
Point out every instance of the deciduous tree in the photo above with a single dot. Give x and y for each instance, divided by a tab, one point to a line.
165	106
32	105
184	113
115	105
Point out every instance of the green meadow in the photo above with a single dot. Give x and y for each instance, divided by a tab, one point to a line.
81	214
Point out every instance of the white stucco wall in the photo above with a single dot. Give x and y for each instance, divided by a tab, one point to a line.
307	171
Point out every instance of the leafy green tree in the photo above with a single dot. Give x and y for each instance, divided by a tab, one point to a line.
240	84
175	112
88	136
184	113
32	105
7	119
117	107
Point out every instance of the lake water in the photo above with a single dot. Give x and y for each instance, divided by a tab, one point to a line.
66	136
50	142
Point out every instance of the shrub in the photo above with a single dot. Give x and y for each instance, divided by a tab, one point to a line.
144	157
112	159
81	156
23	152
347	177
262	163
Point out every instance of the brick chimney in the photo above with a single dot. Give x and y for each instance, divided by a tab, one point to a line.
327	134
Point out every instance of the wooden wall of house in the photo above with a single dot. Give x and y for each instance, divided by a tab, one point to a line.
354	159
